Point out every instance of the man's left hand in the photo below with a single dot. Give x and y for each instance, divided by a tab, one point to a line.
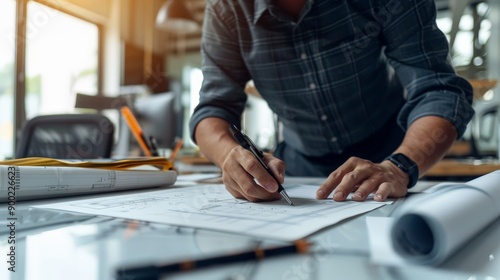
364	177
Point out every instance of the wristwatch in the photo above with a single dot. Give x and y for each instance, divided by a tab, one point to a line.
407	165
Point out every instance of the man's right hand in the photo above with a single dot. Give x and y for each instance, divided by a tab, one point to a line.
239	166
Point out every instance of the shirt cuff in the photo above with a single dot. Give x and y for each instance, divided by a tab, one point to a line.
210	112
455	109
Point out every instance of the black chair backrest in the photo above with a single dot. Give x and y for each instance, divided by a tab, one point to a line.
67	136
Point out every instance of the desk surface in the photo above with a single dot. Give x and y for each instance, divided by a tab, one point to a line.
91	247
463	167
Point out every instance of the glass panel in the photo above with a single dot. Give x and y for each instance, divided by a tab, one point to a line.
7	58
195	78
468	52
61	60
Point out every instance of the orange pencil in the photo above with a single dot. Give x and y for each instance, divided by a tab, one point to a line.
175	151
136	129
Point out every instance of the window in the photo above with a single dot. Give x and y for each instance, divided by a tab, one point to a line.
61	60
194	80
475	16
7	55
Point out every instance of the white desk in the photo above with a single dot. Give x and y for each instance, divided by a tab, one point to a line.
92	247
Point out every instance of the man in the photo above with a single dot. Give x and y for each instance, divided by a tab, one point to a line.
365	90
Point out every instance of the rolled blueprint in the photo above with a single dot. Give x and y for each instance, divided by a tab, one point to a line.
430	227
33	182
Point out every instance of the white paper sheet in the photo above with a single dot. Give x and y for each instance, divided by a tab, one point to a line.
381	250
212	207
430	227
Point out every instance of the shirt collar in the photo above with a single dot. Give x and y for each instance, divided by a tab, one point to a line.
260	7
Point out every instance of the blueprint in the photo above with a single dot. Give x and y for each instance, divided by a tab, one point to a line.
33	182
212	207
431	227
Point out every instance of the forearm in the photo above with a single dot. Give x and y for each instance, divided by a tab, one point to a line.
427	141
214	139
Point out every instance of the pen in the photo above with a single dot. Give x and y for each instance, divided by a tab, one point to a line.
248	144
155	271
153	145
136	129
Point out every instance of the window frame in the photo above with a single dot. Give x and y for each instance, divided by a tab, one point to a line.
20	57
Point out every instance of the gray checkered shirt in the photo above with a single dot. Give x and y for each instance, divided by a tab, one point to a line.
337	74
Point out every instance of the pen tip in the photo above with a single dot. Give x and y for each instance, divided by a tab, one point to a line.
287	198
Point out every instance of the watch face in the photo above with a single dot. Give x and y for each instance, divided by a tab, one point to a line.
403	160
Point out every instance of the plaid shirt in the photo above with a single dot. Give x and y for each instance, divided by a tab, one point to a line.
337	74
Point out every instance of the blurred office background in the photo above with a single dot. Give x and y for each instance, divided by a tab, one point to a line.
53	50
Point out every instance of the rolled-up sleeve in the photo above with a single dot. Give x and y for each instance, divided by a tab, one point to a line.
224	72
418	51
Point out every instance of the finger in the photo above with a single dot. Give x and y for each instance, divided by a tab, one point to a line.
334	179
232	188
368	186
348	184
255	169
235	190
239	182
383	191
246	186
353	179
276	166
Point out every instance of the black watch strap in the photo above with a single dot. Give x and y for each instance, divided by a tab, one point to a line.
407	165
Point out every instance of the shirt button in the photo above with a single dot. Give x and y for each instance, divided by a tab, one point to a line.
312	85
324	117
303	56
334	139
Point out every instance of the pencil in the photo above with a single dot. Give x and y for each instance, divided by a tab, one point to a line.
136	129
155	271
176	149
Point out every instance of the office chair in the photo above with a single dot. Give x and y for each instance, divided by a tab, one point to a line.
485	127
67	136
